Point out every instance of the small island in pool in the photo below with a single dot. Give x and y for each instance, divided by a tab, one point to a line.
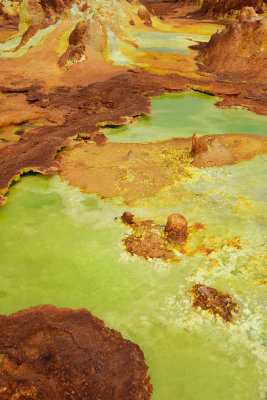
132	187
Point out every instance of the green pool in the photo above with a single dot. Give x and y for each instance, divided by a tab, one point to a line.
168	42
180	115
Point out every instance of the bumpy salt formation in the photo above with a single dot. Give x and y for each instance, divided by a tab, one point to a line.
98	25
61	354
238	50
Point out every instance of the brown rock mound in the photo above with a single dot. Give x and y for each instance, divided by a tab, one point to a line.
215	302
150	240
210	152
176	229
238	51
76	48
61	354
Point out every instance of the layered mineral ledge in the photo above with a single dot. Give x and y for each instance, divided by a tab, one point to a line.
49	353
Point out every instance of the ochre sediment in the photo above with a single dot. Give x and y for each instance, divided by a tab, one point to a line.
137	170
49	353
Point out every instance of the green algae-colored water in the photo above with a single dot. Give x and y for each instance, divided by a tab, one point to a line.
62	247
168	42
180	115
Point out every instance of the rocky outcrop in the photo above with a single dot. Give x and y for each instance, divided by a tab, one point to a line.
144	15
208	152
150	240
238	51
215	302
147	239
226	8
76	49
176	229
61	354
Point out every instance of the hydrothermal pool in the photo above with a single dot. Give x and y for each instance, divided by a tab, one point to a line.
62	247
168	42
180	115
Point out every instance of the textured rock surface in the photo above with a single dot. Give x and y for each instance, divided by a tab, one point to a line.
207	152
238	50
215	302
61	354
147	240
176	229
225	8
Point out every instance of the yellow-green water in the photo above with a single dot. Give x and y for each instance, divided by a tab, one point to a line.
62	247
180	115
168	42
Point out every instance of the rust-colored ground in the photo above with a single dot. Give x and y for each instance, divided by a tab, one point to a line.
66	103
61	354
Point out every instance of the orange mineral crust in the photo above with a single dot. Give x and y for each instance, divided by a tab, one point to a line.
48	353
137	170
215	302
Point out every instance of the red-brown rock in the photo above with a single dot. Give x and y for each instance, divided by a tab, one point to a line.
61	354
78	33
127	218
199	144
176	229
238	51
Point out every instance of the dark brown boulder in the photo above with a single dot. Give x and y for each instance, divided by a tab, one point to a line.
61	354
127	218
78	33
199	144
176	229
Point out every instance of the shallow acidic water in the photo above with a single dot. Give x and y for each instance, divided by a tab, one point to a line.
180	115
168	42
62	247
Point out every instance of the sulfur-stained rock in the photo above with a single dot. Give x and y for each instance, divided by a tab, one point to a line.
238	51
48	353
215	302
199	144
176	229
127	218
77	34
